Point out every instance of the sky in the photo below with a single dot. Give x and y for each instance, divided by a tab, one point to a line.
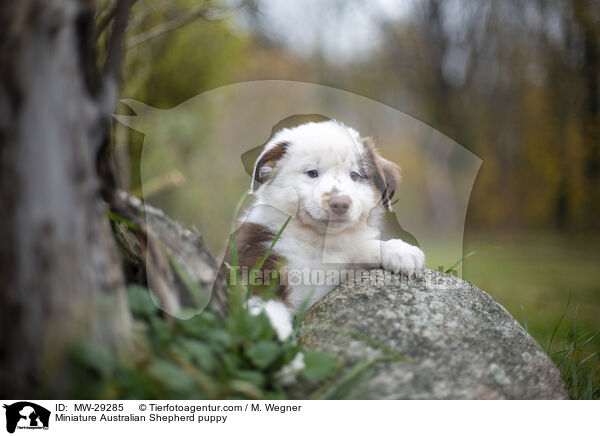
339	29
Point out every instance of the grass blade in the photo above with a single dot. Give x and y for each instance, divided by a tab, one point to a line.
558	324
264	258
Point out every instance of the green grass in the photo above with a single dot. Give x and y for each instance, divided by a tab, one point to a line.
551	285
579	364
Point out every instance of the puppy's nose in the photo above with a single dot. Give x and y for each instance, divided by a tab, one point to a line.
339	205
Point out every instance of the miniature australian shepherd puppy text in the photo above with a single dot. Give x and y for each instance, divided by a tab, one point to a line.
335	187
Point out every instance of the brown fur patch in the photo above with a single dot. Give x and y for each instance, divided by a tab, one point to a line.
383	174
252	242
270	159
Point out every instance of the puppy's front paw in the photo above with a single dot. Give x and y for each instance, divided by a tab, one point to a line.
399	257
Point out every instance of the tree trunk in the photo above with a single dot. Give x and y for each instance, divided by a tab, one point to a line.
60	276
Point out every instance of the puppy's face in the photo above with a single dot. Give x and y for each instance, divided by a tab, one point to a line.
325	170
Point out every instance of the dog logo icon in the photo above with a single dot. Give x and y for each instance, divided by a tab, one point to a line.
26	415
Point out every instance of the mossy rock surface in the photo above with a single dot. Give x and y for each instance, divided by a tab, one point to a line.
458	341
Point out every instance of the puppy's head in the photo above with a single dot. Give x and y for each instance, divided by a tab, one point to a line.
338	177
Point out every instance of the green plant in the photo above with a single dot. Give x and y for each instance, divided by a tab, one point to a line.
207	356
576	354
579	367
578	359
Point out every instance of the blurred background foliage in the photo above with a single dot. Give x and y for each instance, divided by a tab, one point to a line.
515	82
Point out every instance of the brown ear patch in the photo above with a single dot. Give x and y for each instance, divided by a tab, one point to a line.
252	242
269	159
383	174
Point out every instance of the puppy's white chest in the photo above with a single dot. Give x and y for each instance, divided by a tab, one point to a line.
312	271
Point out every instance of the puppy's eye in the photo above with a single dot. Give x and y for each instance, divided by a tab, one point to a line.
312	173
355	176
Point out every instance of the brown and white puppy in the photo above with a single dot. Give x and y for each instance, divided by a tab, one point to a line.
335	186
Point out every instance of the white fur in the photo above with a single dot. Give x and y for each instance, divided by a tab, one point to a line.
288	374
311	240
279	315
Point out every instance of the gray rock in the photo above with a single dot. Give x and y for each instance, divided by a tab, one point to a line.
459	343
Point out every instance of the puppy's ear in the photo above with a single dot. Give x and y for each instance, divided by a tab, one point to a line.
266	163
384	175
391	178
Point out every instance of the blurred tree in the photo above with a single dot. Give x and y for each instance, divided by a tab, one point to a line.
178	49
61	276
517	83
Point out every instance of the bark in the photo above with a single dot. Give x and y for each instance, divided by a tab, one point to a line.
60	274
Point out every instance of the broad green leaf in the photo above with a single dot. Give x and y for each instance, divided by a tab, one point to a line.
263	353
93	358
258	327
160	329
140	301
171	376
255	377
199	353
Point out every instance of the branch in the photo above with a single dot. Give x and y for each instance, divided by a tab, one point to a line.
114	52
108	96
106	18
206	13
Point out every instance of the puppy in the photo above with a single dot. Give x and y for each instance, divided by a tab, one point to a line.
335	187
